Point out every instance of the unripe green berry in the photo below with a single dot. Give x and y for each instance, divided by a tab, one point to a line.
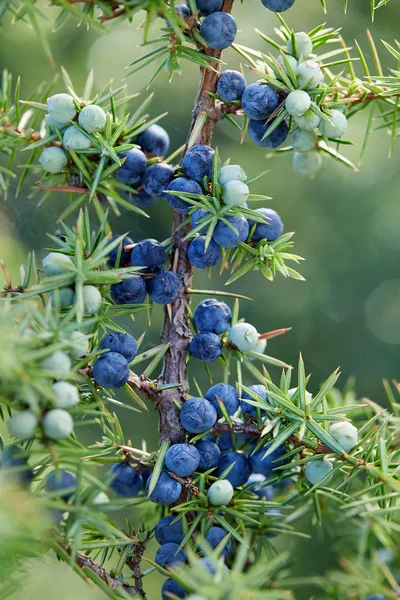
75	139
304	45
80	345
92	118
244	336
235	193
56	263
231	173
290	59
307	163
338	126
309	396
309	121
22	425
345	434
101	498
309	74
61	108
297	103
58	362
91	300
302	140
66	394
220	493
53	159
316	470
58	424
65	297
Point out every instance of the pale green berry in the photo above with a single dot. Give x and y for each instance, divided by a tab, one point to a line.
309	121
244	336
260	346
22	425
91	300
220	492
101	498
92	118
58	424
302	140
338	126
66	394
297	103
65	297
231	173
61	108
235	193
53	159
309	74
316	470
75	139
58	362
345	434
56	263
309	396
307	163
52	123
304	45
290	59
79	345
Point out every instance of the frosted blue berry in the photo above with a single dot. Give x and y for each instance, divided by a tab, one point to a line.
226	394
182	184
248	409
157	178
22	425
58	424
123	343
206	7
235	193
170	586
241	470
167	531
244	336
60	481
169	555
338	126
197	162
307	163
129	291
231	85
259	101
198	415
210	455
215	535
65	297
111	370
220	493
226	237
231	173
141	199
56	263
304	45
154	140
257	130
219	30
53	159
212	315
345	434
309	74
302	140
309	121
206	346
92	300
59	362
163	288
126	482
92	118
278	5
133	168
61	108
271	230
317	470
182	459
66	395
297	103
149	254
75	139
197	215
201	257
166	491
266	465
125	256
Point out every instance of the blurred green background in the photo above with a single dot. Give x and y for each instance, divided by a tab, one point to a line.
347	312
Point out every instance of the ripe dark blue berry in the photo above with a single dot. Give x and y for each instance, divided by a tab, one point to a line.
259	101
226	237
142	199
168	555
125	255
126	481
198	214
133	169
197	415
111	370
182	184
278	5
197	162
266	465
249	409
154	140
14	464
212	315
201	257
149	254
219	30
215	535
123	343
231	85
59	481
157	178
166	531
257	130
182	459
129	291
167	490
206	7
206	346
210	455
170	586
241	470
228	396
271	230
163	288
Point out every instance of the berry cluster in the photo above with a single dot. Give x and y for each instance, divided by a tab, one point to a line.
111	370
